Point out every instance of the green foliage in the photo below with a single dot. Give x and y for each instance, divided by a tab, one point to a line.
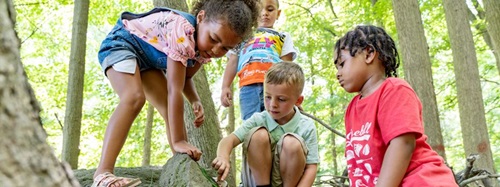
45	31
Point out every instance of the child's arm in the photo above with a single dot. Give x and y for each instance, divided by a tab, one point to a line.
229	74
176	77
222	162
309	175
192	96
396	160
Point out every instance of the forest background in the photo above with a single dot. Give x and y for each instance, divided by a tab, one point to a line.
44	28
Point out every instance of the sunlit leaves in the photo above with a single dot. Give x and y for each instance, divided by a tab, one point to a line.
44	27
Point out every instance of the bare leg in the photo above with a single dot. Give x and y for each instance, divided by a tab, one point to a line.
292	161
132	99
260	157
155	87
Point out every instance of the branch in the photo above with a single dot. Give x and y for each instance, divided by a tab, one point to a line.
308	10
323	123
59	121
490	81
470	162
479	177
30	4
331	9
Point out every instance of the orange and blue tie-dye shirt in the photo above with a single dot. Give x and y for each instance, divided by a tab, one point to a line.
257	54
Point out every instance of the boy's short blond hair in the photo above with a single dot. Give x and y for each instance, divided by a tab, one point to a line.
286	72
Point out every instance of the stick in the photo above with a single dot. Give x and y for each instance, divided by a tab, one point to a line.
323	123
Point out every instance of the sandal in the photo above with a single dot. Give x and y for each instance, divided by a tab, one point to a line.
106	179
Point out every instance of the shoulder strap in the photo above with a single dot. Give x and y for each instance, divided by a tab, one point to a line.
189	17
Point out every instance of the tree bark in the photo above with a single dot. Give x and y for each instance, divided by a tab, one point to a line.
229	129
207	136
146	150
418	66
26	159
332	135
74	101
470	102
492	8
481	27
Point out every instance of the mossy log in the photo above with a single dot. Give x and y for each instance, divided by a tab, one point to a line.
179	171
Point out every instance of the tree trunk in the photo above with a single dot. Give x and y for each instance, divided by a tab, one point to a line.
229	129
492	8
417	66
470	101
73	115
481	27
26	158
146	150
332	135
207	137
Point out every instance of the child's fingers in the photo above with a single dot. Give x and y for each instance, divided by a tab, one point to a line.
224	175
190	153
215	163
218	166
228	101
199	121
197	154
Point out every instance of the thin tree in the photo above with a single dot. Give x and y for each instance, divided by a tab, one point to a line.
26	158
492	8
146	149
231	124
74	101
480	25
417	66
470	102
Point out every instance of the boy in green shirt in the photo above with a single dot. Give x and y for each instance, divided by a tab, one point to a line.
280	146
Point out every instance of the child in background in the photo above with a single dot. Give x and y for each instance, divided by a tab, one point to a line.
254	58
142	47
280	145
385	141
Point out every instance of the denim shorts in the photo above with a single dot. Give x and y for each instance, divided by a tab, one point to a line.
121	45
251	100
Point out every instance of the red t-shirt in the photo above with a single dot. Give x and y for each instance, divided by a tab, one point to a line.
372	122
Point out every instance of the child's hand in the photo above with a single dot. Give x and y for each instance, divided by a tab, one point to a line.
199	114
226	97
184	147
222	166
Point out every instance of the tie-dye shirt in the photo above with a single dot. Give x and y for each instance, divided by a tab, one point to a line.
168	32
257	55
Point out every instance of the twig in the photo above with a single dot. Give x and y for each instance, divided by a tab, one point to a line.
470	162
324	124
59	121
479	177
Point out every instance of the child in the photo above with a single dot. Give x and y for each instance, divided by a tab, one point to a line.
385	144
141	48
267	47
280	146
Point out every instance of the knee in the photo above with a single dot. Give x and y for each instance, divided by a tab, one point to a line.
291	145
134	99
260	137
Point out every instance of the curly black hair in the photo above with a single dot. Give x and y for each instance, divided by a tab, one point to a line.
377	39
241	15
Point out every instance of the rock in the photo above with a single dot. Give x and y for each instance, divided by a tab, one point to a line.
182	171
